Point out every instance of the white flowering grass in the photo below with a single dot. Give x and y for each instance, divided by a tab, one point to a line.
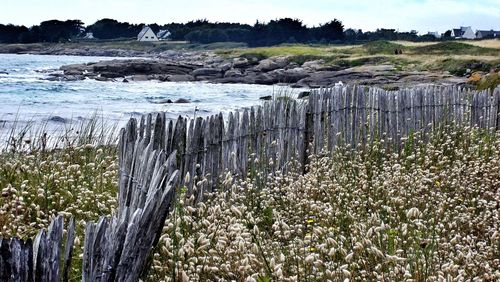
39	181
429	213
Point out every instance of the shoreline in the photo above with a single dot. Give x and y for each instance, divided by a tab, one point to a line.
314	67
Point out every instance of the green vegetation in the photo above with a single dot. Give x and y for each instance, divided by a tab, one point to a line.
489	81
72	171
455	57
459	67
368	213
371	214
382	47
454	48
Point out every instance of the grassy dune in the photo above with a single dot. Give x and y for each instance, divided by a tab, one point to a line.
455	57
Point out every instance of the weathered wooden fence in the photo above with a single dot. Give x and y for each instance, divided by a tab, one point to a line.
283	130
40	260
356	115
117	249
156	153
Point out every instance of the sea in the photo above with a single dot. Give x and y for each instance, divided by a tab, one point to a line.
26	96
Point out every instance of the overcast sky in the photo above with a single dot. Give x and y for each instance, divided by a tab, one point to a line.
421	15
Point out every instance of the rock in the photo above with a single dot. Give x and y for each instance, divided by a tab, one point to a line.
182	101
163	101
180	77
233	73
73	72
266	98
248	79
272	64
123	68
75	69
313	65
226	66
100	78
139	77
266	79
241	63
205	73
57	119
125	80
72	77
288	76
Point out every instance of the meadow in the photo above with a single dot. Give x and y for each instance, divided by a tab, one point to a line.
453	56
427	213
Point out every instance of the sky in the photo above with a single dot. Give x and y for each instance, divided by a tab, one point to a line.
420	15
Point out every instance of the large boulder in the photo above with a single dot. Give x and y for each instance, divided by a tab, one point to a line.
233	73
313	65
139	77
207	73
241	63
272	64
75	69
247	79
267	79
180	77
122	68
289	76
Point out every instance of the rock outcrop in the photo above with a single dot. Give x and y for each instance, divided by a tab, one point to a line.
178	66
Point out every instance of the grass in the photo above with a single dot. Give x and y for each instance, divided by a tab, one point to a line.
382	47
459	66
489	81
426	212
371	214
73	173
452	56
454	48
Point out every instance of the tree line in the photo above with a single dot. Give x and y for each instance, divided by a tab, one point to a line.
285	30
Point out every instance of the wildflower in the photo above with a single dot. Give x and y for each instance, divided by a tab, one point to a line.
413	213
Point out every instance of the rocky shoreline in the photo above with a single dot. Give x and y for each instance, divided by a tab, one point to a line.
206	66
185	65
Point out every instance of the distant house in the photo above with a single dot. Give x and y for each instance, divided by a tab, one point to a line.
89	35
147	34
464	32
163	34
481	34
434	33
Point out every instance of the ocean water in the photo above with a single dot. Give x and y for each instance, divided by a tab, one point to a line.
26	97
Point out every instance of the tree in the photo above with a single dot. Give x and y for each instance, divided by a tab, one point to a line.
57	31
110	29
330	31
11	33
447	34
283	31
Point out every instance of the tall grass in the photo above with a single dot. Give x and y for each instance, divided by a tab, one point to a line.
427	213
43	135
44	171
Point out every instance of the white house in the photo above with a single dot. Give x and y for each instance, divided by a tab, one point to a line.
147	34
464	32
163	34
89	35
